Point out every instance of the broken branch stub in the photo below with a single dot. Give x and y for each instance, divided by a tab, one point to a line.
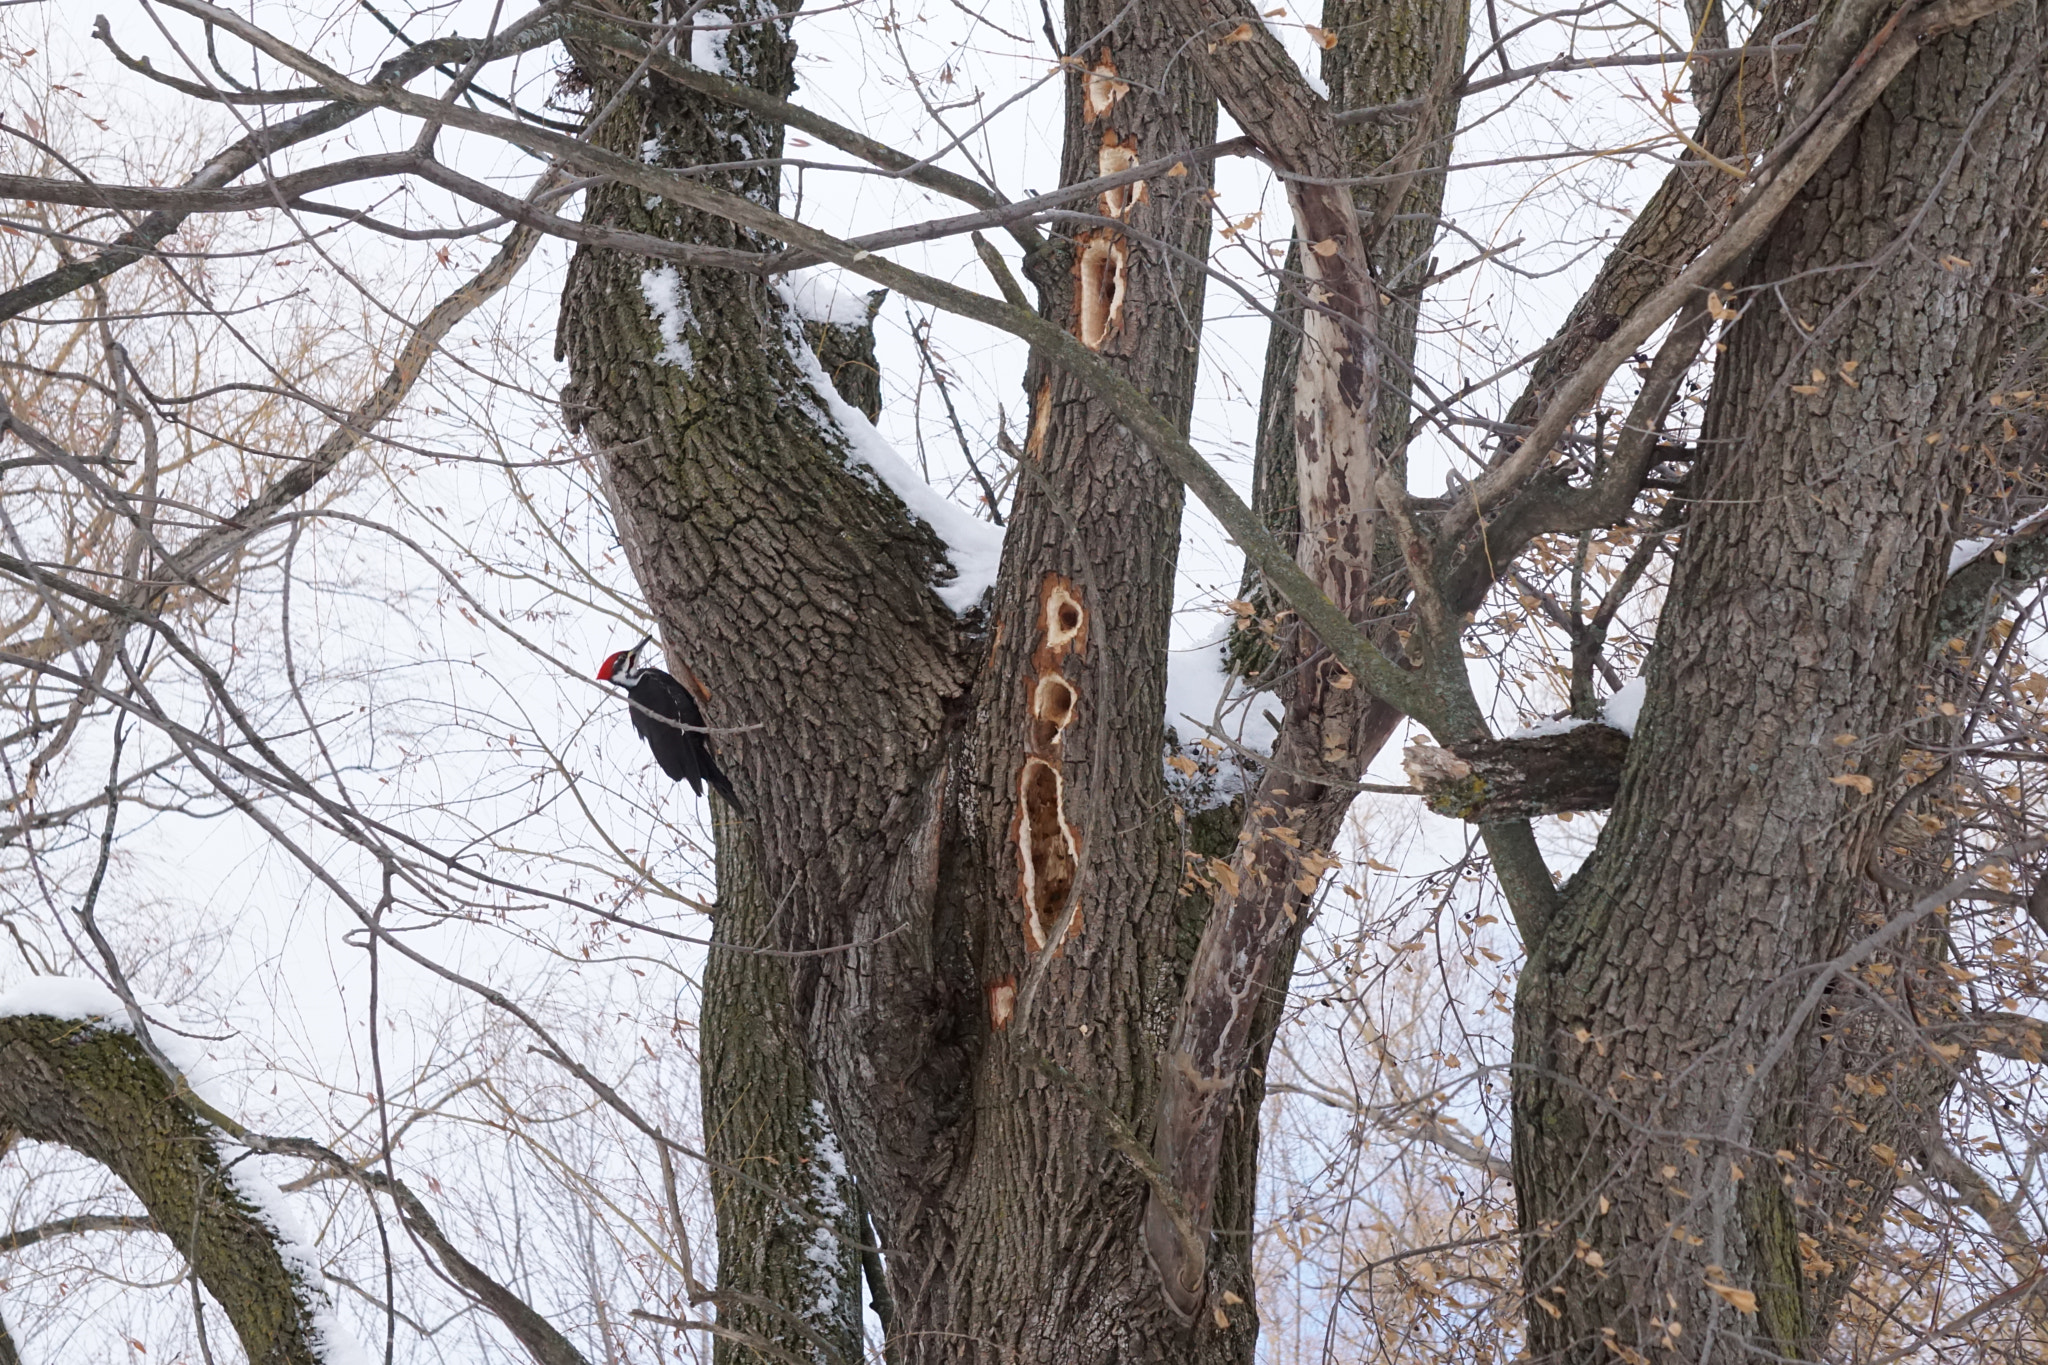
1520	777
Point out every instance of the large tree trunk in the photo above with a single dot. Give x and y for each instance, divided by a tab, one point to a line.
980	865
1070	856
1692	1127
797	593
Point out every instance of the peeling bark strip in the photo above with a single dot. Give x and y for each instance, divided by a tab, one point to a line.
93	1090
1331	727
1336	407
1228	982
1336	388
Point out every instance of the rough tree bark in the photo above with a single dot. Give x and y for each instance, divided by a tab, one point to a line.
957	933
692	387
789	1230
961	821
1686	1135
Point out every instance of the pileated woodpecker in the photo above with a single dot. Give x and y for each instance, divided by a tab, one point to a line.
668	718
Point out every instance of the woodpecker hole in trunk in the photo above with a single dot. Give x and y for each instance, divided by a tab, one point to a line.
1119	155
1101	89
1063	621
1052	710
1046	845
1002	1002
1099	286
1041	417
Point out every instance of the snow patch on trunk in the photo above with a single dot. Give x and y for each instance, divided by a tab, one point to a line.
823	1250
1624	706
822	294
974	547
708	44
662	288
1202	771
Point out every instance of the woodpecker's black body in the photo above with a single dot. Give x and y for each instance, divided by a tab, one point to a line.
671	722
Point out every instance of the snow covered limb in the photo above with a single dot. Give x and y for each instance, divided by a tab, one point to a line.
1983	580
92	1089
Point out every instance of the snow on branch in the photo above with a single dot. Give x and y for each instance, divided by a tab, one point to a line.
79	1077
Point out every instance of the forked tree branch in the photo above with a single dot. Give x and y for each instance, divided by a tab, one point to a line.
1330	623
1895	47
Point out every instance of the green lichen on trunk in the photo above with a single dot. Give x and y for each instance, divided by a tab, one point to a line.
90	1087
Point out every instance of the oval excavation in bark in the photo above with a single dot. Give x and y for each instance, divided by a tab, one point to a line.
1048	846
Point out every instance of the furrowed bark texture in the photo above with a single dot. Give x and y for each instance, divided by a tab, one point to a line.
1664	1059
93	1090
939	822
1348	396
1079	928
786	1202
795	591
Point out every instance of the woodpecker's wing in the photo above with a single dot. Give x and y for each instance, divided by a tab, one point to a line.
661	707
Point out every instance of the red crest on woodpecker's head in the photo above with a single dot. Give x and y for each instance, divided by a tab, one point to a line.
613	665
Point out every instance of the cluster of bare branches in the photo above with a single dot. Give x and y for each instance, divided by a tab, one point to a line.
301	565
